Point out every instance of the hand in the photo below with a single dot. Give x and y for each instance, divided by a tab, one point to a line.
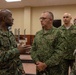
24	49
27	49
21	48
41	66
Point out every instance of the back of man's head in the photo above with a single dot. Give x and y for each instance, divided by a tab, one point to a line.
4	13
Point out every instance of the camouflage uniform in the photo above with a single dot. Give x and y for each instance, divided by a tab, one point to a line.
45	48
69	37
73	72
10	63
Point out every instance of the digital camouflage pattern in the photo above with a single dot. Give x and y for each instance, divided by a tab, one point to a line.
47	48
73	72
10	63
69	37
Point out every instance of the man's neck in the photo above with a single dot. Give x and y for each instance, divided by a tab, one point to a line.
68	25
48	27
3	27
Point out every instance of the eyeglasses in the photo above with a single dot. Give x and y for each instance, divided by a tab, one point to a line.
66	17
43	18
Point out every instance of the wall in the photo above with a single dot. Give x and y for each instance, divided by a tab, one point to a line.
28	17
58	12
22	19
18	15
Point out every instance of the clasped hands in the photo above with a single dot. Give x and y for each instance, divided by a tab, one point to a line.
40	66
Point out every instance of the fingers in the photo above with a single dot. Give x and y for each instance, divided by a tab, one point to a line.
41	66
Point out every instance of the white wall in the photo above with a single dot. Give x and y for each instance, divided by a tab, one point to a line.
22	17
58	12
18	15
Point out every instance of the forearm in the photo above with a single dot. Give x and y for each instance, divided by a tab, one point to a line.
7	55
56	57
34	56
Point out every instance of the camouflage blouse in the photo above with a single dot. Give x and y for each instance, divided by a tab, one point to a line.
10	62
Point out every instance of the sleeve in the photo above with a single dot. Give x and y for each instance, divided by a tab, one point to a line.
57	56
34	51
8	55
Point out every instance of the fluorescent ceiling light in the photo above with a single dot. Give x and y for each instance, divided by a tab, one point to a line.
12	0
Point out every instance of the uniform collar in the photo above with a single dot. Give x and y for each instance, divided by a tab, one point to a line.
71	27
47	31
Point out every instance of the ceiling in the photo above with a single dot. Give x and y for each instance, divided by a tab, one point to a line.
35	3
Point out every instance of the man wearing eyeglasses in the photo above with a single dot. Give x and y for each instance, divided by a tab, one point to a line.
68	33
46	51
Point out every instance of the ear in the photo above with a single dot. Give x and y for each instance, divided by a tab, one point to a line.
3	19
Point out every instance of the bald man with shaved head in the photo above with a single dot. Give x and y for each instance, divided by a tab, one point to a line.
68	33
67	20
